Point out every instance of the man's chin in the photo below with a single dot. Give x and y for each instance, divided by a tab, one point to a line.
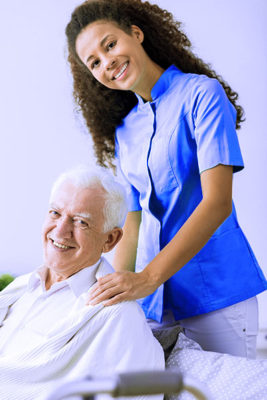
57	266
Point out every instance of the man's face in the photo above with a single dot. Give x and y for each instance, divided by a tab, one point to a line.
73	235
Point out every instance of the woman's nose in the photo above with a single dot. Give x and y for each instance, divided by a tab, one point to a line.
109	63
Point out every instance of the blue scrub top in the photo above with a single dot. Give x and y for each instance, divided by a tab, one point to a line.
162	147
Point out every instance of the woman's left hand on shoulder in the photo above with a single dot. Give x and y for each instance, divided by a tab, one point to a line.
120	286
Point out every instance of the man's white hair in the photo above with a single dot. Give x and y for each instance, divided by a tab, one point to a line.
86	176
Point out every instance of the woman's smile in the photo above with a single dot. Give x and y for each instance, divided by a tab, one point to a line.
121	71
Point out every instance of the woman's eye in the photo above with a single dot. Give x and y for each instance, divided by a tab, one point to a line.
112	44
94	64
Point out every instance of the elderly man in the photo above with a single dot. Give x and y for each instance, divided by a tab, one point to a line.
48	333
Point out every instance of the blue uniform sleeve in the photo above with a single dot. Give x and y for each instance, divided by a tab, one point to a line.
214	119
131	192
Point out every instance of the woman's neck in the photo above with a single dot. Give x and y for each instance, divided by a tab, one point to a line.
152	75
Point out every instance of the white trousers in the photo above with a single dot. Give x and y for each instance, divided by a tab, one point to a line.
231	330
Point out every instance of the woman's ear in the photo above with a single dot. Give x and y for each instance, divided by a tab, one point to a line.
114	236
138	33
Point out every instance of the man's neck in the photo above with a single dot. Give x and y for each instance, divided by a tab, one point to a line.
52	278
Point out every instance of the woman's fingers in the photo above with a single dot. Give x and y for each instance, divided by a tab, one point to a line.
101	286
116	299
104	295
120	286
105	288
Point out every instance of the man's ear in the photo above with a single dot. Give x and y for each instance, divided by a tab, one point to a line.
138	33
114	236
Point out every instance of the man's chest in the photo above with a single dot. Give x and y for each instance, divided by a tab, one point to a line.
30	319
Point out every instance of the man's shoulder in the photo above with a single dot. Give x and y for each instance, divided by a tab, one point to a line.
104	268
14	291
19	283
129	308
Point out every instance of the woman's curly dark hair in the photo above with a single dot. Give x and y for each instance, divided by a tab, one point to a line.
164	42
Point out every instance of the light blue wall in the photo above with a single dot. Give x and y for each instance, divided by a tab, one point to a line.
40	136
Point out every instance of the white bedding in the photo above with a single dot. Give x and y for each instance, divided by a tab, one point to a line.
227	377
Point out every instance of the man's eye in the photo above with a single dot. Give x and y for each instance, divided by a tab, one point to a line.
112	44
53	213
81	223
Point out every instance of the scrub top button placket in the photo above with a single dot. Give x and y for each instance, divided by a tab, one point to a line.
155	234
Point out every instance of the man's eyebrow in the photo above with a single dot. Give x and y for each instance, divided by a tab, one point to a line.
102	43
80	215
53	205
84	215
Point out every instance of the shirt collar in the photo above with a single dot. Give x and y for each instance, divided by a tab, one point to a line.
162	84
78	283
84	279
37	278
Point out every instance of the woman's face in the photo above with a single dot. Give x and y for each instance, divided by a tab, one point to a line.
116	59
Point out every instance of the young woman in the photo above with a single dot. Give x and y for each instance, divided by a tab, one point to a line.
169	122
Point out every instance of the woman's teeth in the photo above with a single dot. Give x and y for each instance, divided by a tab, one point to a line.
121	71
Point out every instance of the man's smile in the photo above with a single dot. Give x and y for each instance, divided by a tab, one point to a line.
60	245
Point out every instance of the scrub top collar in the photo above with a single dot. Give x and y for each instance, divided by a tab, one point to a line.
160	87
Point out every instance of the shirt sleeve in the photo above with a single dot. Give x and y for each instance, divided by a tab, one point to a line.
214	119
132	193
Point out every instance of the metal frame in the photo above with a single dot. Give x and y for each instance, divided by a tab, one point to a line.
132	384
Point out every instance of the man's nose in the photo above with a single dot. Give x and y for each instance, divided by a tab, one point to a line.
64	228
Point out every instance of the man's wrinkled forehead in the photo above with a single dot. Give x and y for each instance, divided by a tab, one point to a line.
84	202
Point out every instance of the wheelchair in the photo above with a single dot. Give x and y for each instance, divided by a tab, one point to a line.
132	384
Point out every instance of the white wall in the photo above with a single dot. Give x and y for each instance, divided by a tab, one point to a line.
40	136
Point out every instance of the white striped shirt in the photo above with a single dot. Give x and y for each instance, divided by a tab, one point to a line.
85	340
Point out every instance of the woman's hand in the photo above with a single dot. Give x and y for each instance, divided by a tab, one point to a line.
120	286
